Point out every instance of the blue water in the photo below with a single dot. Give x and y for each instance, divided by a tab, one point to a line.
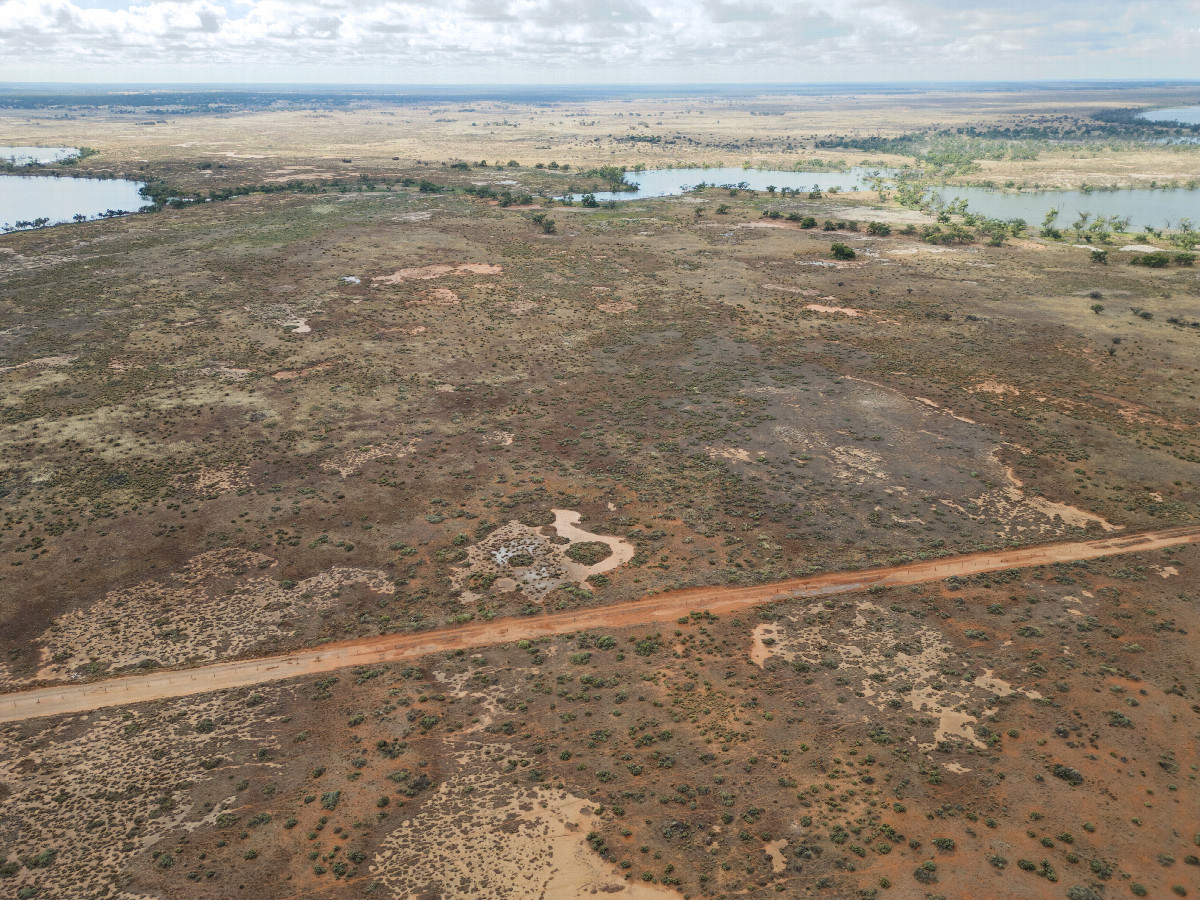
29	197
1158	208
670	182
1189	115
23	156
1162	208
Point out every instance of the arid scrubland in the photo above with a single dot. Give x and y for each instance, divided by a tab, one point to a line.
369	406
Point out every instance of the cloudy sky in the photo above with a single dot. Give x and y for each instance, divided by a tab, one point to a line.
595	41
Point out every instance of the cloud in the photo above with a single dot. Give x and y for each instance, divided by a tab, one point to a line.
590	40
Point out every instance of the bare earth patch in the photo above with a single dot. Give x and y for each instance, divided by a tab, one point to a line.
116	795
436	297
290	374
482	835
46	362
898	670
352	461
207	482
996	387
220	604
736	454
844	310
424	273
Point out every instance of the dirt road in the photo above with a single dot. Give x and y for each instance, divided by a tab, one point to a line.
657	608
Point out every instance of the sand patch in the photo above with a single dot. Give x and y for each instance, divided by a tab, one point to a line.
905	668
566	523
737	454
220	604
296	326
229	373
1166	571
774	849
481	835
499	438
291	374
804	292
418	216
121	365
45	362
436	297
843	310
789	434
921	248
352	461
1140	248
834	263
116	795
425	273
857	465
996	387
208	482
1068	515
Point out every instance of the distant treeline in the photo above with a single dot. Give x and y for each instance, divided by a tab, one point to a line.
1134	117
161	194
163	103
953	151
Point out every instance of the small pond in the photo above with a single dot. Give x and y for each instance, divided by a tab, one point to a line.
1189	115
1143	207
25	198
23	156
670	182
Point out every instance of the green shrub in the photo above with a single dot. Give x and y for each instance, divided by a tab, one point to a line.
589	553
1156	260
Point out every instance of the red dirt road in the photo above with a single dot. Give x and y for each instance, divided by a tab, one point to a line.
657	608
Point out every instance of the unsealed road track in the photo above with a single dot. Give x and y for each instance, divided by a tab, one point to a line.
664	607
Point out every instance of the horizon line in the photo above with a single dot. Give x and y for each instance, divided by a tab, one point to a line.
1128	82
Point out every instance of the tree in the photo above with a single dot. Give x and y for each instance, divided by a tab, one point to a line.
841	251
614	177
1048	229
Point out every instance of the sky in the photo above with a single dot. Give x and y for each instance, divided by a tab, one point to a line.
596	41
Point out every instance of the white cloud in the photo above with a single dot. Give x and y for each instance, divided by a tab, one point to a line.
594	41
